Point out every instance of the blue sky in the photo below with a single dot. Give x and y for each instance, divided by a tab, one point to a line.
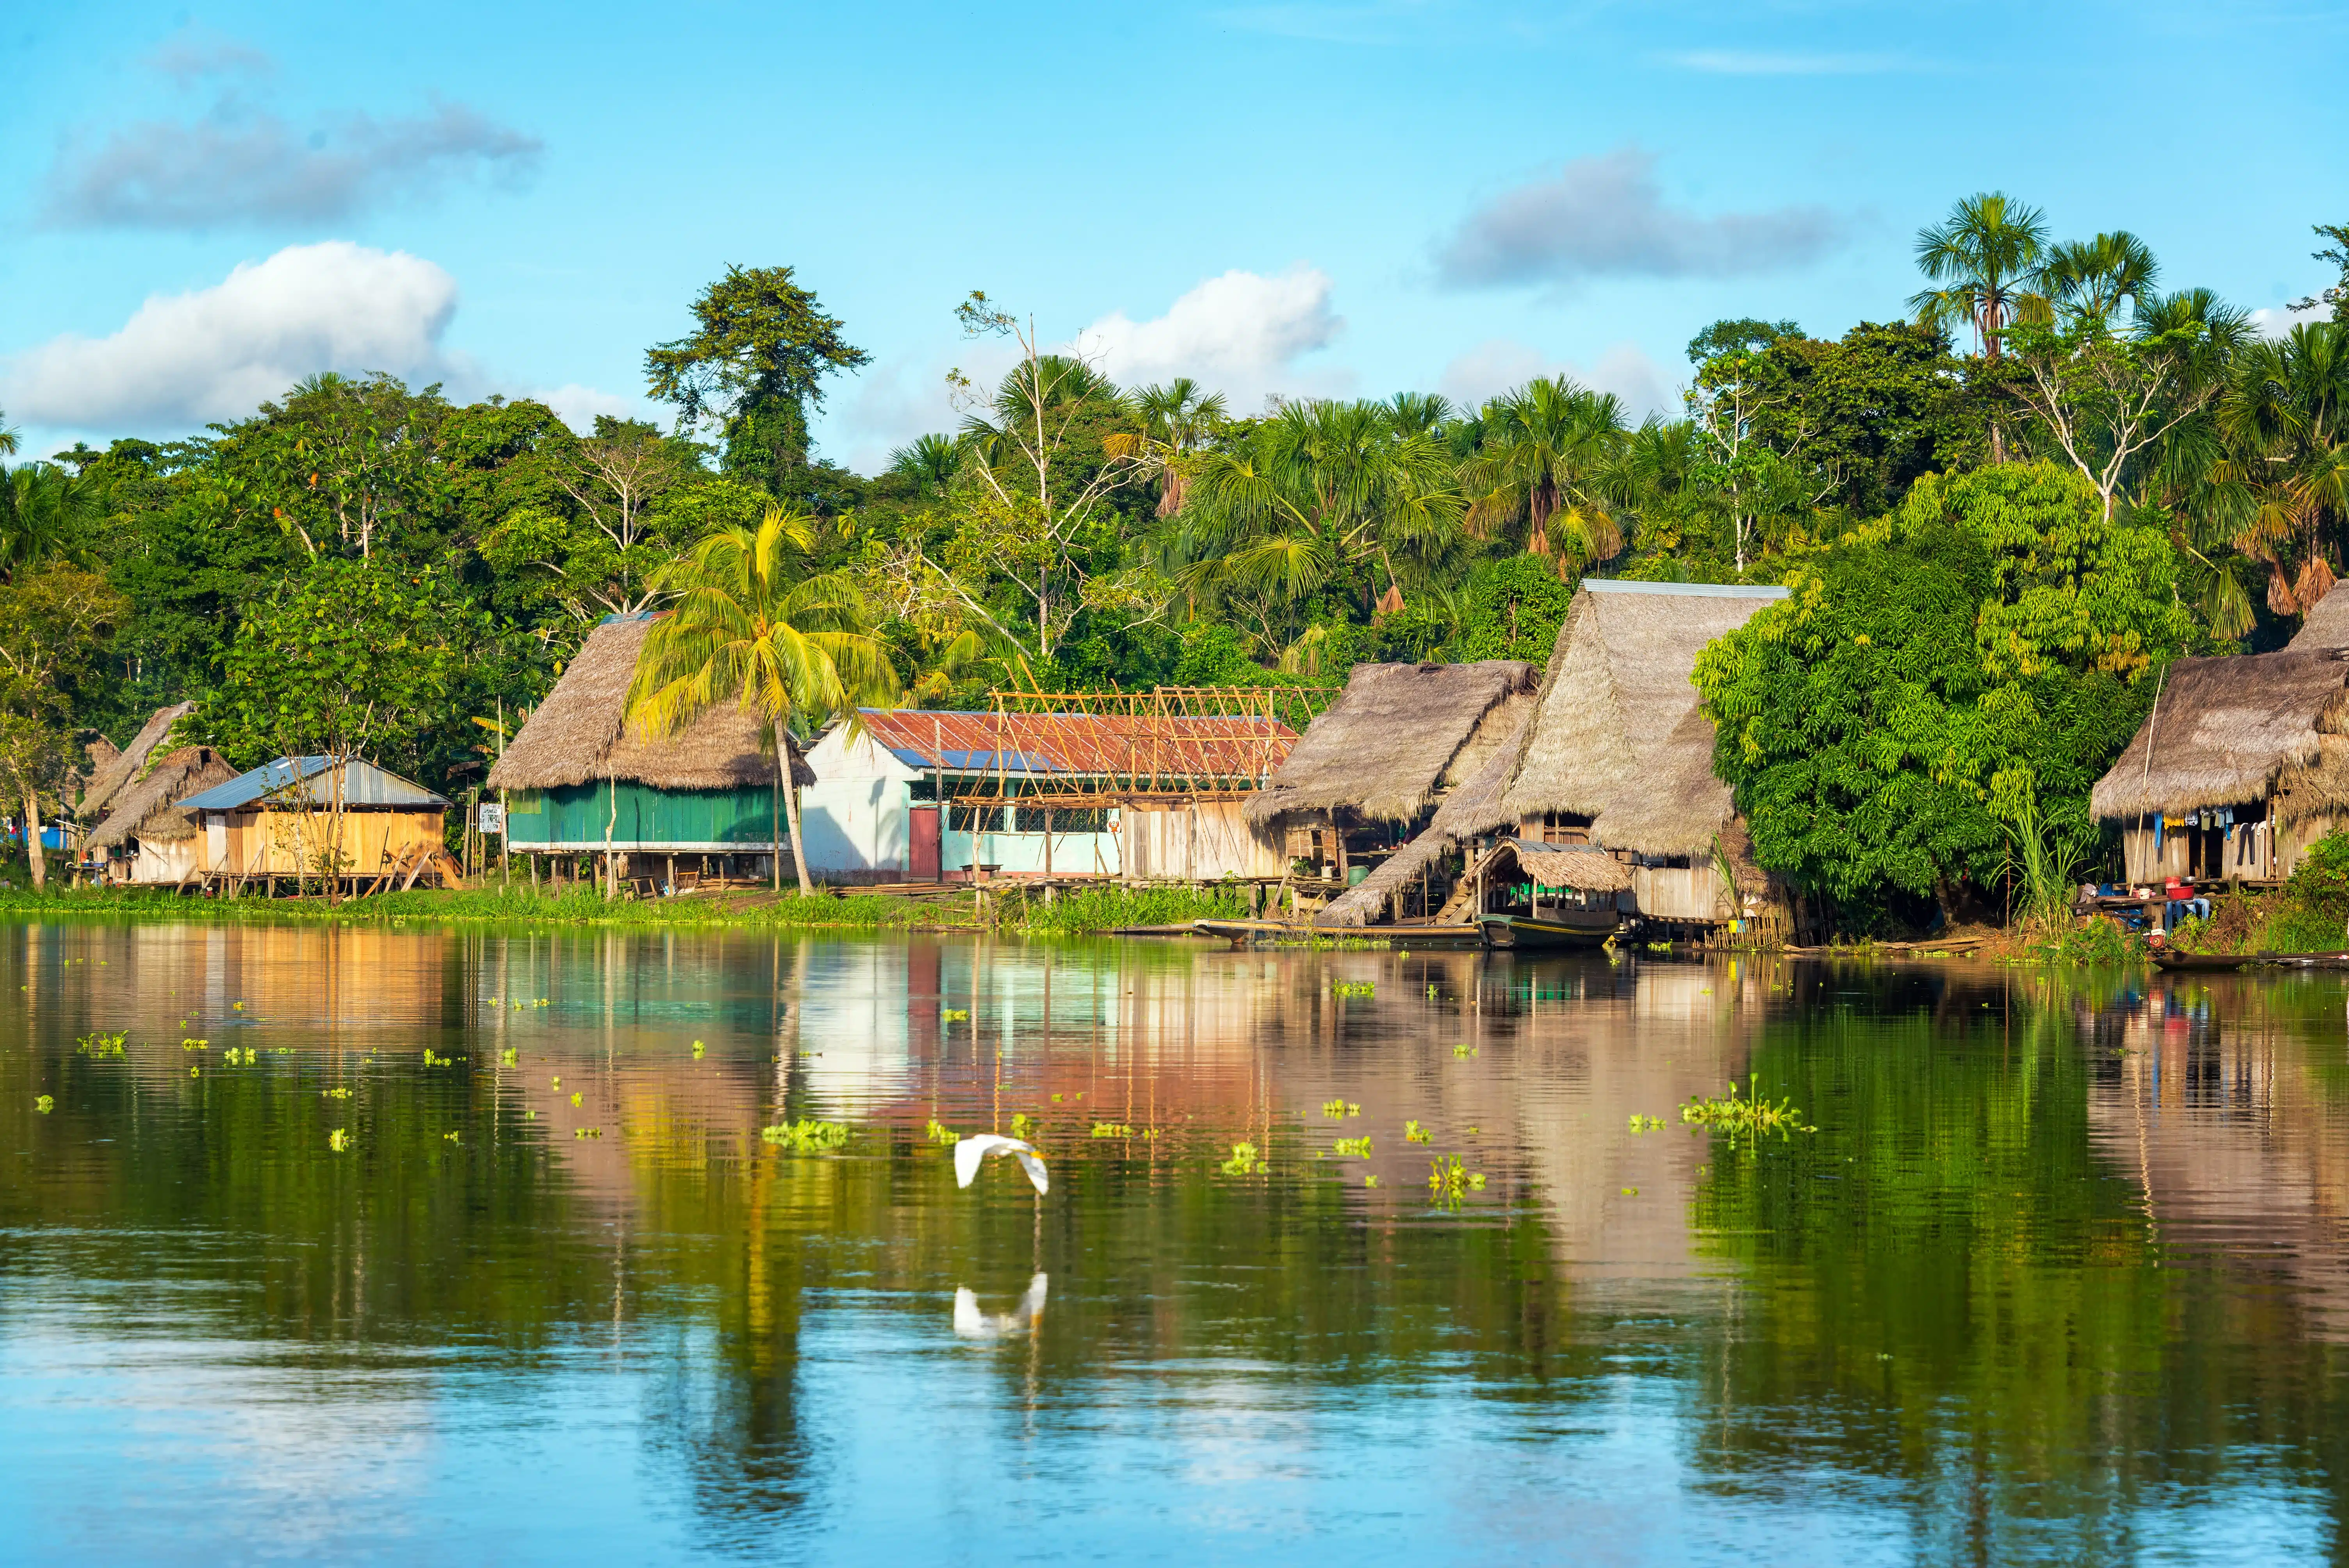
1304	197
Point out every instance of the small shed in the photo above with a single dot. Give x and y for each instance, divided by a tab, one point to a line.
578	780
1374	766
280	819
147	840
2239	766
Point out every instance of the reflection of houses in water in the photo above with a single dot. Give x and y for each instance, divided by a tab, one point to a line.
2221	1103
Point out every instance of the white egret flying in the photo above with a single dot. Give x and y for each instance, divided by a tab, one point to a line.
970	1150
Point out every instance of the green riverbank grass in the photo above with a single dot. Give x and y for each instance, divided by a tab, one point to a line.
1075	912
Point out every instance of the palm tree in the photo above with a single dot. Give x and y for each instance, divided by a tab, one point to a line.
1176	418
42	508
1317	490
752	626
2090	278
1987	257
930	461
1550	459
2279	483
8	438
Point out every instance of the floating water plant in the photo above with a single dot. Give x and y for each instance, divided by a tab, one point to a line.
1645	1124
954	1015
935	1133
576	1095
1022	1125
1112	1130
595	1132
1446	1178
1369	1181
697	1048
338	1140
1412	1132
434	1061
1747	1113
1465	1052
806	1136
1354	988
100	1044
1358	1147
335	1093
45	1104
195	1045
509	1057
555	1082
451	1137
1338	1109
1056	1099
1243	1162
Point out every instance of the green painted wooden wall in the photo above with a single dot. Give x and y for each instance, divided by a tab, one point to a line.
574	816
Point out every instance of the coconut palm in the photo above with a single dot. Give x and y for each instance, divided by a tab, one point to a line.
1986	257
1550	461
2089	278
752	626
2280	483
1319	490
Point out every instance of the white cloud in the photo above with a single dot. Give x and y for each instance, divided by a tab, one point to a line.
2275	321
1607	217
1499	363
182	360
1241	334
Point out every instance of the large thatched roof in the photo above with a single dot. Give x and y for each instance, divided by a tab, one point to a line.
1617	735
577	734
120	768
2223	732
2326	625
1390	740
149	807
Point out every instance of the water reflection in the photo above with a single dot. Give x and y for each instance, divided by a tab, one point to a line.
2060	1274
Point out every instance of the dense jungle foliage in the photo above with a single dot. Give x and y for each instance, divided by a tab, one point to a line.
2000	519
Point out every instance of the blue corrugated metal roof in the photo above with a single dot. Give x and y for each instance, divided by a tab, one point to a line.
364	784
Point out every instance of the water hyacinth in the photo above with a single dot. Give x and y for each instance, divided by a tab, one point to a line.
805	1136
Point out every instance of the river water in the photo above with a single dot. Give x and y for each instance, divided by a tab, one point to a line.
390	1243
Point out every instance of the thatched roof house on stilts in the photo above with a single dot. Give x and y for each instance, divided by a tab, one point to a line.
577	782
2241	764
1617	755
1377	764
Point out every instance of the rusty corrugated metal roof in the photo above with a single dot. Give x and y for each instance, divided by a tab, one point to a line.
1168	747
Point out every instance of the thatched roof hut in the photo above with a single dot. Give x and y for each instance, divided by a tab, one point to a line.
579	733
119	768
1471	808
1394	739
147	810
2232	731
1617	734
2327	625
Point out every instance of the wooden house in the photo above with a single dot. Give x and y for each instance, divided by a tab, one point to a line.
925	795
579	782
307	817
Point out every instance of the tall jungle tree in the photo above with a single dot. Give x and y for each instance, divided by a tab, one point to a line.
754	365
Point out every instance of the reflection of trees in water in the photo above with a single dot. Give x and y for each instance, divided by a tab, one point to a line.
1964	1282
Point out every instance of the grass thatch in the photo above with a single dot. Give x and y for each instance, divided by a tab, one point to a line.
121	767
2224	731
2326	625
1578	866
147	809
576	736
1607	734
1387	743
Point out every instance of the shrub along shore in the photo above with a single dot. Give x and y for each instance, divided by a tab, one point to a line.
1073	912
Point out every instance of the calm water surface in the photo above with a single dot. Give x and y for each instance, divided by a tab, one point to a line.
2060	1276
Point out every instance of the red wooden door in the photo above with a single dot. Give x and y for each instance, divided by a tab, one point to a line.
925	846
